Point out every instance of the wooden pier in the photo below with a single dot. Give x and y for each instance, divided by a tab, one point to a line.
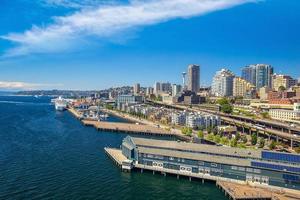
133	129
116	155
243	192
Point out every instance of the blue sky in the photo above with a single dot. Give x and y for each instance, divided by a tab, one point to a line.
96	44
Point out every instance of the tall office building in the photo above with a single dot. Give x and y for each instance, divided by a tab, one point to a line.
136	89
249	74
157	88
194	78
149	91
263	76
259	75
176	89
222	85
279	80
166	87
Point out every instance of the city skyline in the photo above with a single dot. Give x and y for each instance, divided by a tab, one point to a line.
149	50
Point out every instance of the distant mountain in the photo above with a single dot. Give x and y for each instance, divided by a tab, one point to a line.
6	93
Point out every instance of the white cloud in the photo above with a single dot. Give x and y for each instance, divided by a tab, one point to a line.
11	85
105	21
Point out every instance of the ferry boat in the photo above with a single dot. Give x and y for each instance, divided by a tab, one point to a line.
60	104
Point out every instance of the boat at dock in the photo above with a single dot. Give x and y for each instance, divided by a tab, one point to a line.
60	104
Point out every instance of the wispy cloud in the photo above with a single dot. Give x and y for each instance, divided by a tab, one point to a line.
12	85
105	21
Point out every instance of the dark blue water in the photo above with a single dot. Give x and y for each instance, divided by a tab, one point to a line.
46	154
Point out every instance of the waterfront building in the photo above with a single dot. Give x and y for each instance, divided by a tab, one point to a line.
178	118
196	120
241	87
136	89
176	89
193	78
259	167
249	74
279	80
222	85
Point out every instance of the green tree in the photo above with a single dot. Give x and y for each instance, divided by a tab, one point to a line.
209	129
237	136
227	108
200	134
265	115
225	105
233	142
261	142
158	98
244	139
254	139
272	145
217	138
187	131
224	140
210	137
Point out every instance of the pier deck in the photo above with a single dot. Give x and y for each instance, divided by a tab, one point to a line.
243	192
116	155
132	128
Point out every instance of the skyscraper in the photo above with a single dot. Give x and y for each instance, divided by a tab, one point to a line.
136	89
259	75
222	85
157	88
263	76
249	74
194	78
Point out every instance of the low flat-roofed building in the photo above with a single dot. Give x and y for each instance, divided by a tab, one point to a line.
198	160
286	115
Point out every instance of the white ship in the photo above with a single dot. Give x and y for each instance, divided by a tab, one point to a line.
60	104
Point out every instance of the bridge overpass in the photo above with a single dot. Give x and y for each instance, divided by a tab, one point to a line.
272	128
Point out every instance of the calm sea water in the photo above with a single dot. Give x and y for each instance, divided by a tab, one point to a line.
46	154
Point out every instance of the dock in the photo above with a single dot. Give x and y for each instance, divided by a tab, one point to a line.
75	113
117	156
243	192
130	128
233	189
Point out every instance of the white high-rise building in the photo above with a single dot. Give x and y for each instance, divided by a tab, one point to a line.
222	85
